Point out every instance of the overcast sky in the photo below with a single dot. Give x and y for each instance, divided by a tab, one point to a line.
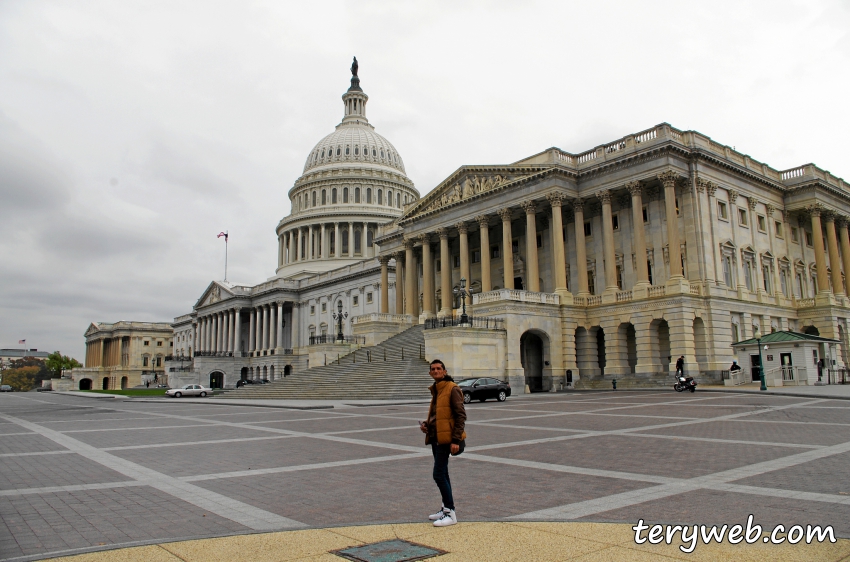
131	133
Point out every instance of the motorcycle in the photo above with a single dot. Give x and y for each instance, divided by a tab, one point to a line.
685	383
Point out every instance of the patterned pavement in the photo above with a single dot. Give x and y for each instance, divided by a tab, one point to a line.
78	474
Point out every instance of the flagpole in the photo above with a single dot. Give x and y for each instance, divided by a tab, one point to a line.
226	236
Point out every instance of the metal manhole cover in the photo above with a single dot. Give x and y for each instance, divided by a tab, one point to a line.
388	551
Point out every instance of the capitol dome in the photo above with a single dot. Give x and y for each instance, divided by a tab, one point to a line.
353	181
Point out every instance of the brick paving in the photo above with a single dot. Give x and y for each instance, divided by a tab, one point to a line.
78	473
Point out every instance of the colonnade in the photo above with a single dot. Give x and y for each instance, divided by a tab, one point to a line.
406	261
220	332
836	233
313	242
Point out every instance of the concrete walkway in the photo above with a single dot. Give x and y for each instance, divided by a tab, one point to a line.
467	542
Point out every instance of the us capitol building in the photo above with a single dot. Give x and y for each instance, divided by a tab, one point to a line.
609	263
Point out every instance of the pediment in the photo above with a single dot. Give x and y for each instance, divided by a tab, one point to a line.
215	292
92	329
471	182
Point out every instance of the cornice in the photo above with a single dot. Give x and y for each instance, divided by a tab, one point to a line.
292	220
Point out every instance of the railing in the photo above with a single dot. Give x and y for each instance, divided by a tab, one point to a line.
805	303
179	369
287	352
587	156
658	291
514	295
695	290
178	357
567	158
677	135
624	296
789	373
594	300
378	317
579	301
793	173
332	338
837	376
646	136
478	322
614	147
724	375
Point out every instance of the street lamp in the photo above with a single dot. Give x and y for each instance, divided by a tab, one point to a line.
462	293
338	316
761	361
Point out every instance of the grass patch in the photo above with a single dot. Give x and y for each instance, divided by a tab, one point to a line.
132	392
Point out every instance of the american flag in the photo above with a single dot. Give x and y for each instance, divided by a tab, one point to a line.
220	234
22	341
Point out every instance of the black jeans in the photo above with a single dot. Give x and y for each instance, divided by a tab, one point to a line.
441	473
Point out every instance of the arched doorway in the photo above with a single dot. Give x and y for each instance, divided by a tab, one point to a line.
600	350
123	383
85	384
700	343
531	356
811	330
105	383
664	354
216	379
271	373
628	333
287	370
243	374
265	373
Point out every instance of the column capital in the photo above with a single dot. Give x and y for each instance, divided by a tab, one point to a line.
408	243
443	232
733	196
604	196
815	210
462	227
505	214
399	256
555	199
634	187
578	205
752	202
668	178
711	188
384	260
770	209
841	221
828	216
483	221
529	207
424	239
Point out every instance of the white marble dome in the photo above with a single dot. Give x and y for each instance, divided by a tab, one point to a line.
354	141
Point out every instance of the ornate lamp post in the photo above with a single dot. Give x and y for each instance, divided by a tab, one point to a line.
339	316
463	294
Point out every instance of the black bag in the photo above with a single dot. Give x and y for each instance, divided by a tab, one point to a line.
462	447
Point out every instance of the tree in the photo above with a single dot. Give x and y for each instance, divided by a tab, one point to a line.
57	363
22	378
43	372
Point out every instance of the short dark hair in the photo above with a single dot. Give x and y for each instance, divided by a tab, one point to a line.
440	362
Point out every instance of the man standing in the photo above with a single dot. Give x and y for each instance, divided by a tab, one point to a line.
444	432
680	366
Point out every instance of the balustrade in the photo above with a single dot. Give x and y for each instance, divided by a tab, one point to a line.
515	295
657	291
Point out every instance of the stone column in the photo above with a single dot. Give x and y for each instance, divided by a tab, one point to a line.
364	252
531	267
581	249
639	240
252	342
463	230
834	260
845	250
272	325
266	324
323	243
820	258
207	331
337	241
428	291
237	344
298	255
351	239
559	263
219	332
399	282
507	248
409	278
608	244
310	243
385	285
485	253
259	329
279	330
229	336
296	325
445	273
668	179
777	283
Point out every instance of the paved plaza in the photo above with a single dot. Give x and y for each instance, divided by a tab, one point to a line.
78	474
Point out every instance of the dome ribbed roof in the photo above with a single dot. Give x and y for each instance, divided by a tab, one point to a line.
354	142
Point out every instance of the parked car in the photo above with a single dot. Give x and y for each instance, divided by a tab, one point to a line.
265	381
484	388
243	382
189	390
5	388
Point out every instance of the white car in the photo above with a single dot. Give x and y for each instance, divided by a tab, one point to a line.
189	390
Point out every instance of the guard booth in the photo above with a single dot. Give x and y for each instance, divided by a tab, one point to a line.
790	359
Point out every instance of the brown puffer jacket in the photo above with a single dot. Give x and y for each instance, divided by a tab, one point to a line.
446	416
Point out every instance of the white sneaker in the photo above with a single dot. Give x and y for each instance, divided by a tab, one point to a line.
448	518
438	515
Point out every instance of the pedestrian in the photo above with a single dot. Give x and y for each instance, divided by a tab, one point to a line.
734	367
147	384
444	431
680	365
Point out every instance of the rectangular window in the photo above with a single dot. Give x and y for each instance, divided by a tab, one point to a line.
799	293
368	297
727	271
677	207
456	261
742	217
615	220
777	228
147	343
564	232
144	361
645	214
795	235
355	300
159	344
439	265
515	246
748	276
312	309
783	282
494	251
762	223
588	231
539	240
159	361
809	239
765	273
722	212
735	336
591	282
476	256
619	277
649	270
324	307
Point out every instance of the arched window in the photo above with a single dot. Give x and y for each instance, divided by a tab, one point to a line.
390	197
398	200
368	195
332	243
324	197
382	153
333	196
345	241
347	150
323	153
380	197
314	199
345	195
338	150
373	152
369	235
357	195
357	242
357	151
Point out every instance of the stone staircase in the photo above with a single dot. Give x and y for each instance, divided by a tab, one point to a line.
362	375
661	380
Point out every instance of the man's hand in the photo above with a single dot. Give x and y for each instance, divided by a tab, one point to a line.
455	448
423	427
